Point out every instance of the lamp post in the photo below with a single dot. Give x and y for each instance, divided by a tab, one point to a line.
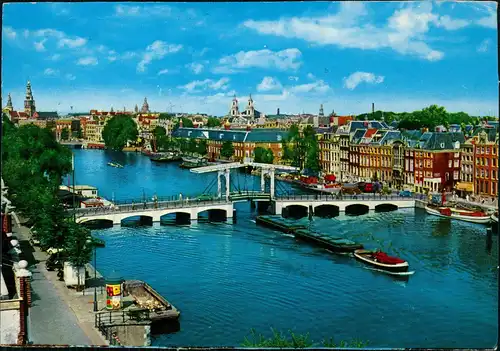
95	279
74	195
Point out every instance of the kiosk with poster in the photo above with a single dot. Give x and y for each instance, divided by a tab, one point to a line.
114	293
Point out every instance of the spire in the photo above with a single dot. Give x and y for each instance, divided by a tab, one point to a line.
111	109
29	102
250	99
321	112
145	106
136	109
9	103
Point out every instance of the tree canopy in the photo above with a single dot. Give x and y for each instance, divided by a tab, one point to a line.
119	130
65	134
429	117
263	155
213	122
186	123
33	164
227	149
302	149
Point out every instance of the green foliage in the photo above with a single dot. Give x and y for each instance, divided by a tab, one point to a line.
186	123
295	341
302	149
65	134
159	131
78	133
202	147
78	247
33	164
192	146
213	122
429	117
119	130
262	155
166	116
227	149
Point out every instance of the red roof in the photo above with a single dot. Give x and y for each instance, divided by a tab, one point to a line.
370	132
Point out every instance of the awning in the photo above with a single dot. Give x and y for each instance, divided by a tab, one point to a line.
465	186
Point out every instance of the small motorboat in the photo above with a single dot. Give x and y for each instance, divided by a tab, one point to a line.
472	216
381	260
116	165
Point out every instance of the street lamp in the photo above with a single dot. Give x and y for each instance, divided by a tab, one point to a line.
95	279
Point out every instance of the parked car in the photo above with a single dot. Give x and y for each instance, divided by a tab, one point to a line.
369	188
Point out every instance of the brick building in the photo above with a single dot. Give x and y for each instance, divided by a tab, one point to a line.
244	141
486	162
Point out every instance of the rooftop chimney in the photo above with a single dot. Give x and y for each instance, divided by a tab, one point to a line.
373	107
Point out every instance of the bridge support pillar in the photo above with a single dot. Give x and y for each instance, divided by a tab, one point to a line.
219	184
271	176
227	172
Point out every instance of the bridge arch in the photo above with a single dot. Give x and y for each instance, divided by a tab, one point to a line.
386	207
295	211
177	218
357	209
96	223
136	220
212	215
327	210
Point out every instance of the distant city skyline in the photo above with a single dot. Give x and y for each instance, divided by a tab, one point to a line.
401	56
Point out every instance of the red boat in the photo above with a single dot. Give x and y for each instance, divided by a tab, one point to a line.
381	260
460	214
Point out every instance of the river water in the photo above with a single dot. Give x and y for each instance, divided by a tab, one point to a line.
228	278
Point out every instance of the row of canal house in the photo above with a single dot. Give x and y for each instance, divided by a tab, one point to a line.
479	164
244	141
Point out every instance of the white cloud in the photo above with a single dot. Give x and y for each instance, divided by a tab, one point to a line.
55	57
156	51
220	84
39	45
50	72
197	68
69	76
316	87
9	32
293	78
87	61
268	84
288	59
112	58
311	76
404	32
357	78
72	43
143	11
203	51
449	23
490	9
163	71
484	46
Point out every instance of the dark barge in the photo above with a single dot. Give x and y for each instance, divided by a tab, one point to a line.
282	224
327	242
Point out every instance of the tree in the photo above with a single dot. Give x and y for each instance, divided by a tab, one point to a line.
192	146
262	155
227	149
159	131
213	122
65	134
186	123
77	133
119	130
202	147
166	116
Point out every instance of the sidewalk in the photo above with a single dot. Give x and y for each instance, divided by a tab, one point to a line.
58	316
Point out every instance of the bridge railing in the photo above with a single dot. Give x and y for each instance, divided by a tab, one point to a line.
340	197
152	205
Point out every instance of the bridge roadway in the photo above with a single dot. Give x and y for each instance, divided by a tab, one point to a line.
193	207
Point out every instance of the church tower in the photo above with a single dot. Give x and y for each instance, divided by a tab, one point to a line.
9	106
235	111
29	102
136	109
321	112
111	109
250	110
145	106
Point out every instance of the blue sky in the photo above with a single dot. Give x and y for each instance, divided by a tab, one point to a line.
193	57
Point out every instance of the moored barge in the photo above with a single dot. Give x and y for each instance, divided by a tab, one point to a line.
333	244
279	223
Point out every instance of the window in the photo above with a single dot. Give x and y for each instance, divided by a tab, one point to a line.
449	163
455	175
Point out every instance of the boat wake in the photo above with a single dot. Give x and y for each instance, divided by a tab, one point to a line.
391	273
289	235
253	221
340	253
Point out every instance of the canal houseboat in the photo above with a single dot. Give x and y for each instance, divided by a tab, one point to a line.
381	260
494	218
279	223
472	216
340	245
116	165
